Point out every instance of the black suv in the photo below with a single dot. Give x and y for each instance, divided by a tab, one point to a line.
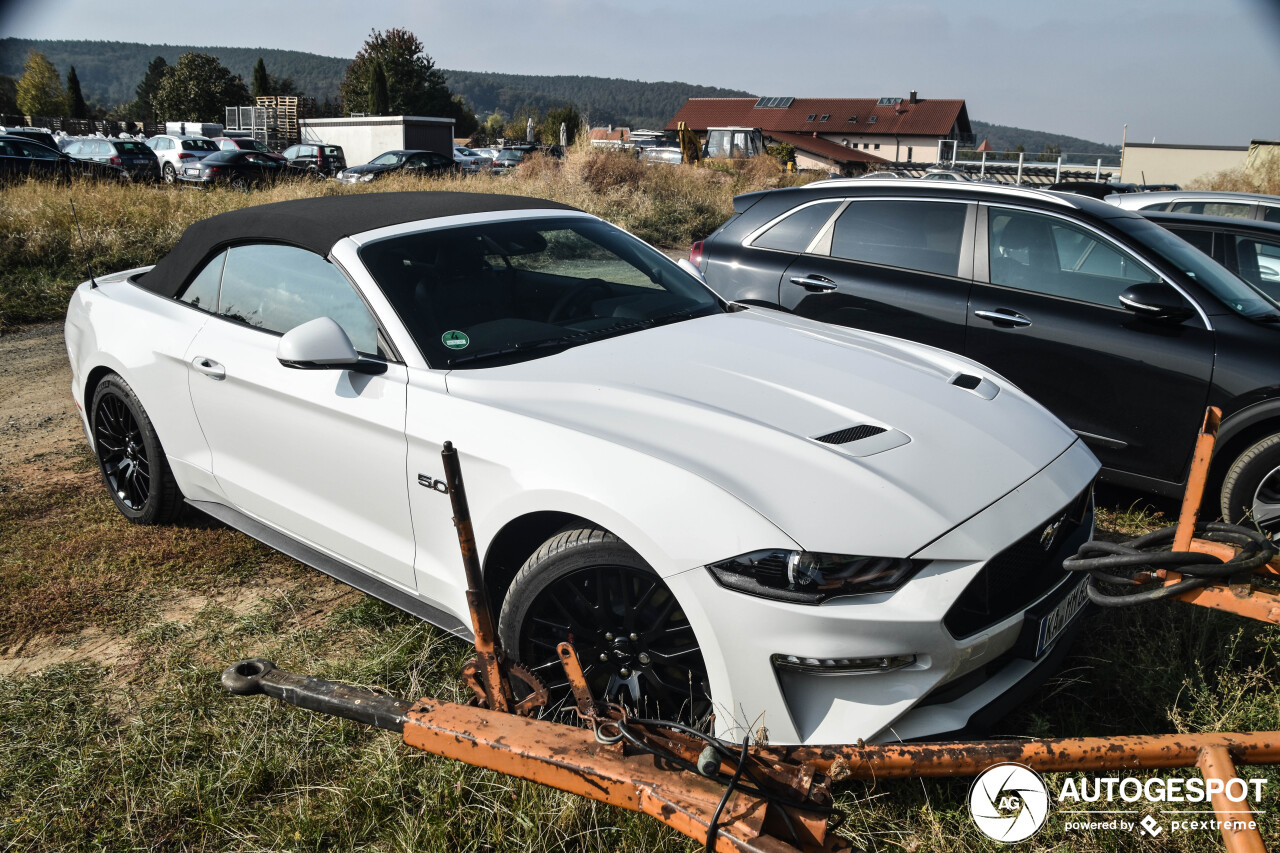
318	157
1118	327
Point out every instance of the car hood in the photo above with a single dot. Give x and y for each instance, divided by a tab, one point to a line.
367	167
740	399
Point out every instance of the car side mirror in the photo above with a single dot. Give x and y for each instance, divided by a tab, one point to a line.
1157	301
687	265
321	344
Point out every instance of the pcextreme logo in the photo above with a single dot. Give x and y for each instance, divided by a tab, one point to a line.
1009	802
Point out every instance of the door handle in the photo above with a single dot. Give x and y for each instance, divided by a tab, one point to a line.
815	283
209	367
1003	315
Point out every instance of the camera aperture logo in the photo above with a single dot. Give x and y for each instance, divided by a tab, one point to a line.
1009	802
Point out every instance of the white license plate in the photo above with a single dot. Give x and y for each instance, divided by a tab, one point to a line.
190	171
1057	620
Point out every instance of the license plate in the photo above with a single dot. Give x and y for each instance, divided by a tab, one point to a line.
190	171
1056	620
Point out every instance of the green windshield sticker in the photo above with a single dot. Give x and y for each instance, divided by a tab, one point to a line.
455	340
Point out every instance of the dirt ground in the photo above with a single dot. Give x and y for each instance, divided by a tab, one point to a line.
37	414
40	439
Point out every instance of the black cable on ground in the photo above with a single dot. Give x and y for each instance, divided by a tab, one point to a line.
1117	564
713	829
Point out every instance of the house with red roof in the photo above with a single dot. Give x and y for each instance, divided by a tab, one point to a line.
848	135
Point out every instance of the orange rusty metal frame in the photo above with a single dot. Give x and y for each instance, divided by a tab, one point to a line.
662	771
1241	596
768	799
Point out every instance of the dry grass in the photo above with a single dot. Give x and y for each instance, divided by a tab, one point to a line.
1263	179
42	258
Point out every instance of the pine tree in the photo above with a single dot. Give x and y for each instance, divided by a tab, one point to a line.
378	96
261	80
75	98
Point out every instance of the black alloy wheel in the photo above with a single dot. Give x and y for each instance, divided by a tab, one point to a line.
635	644
132	462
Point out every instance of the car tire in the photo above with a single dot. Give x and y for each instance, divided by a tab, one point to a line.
134	467
587	587
240	184
1251	489
170	174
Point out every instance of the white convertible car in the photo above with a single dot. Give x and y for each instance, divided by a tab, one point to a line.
729	510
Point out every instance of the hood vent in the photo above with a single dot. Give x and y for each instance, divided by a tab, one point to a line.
848	434
983	387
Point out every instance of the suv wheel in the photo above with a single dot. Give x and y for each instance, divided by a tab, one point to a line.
587	587
1251	489
170	174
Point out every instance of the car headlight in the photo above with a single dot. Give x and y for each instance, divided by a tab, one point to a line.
367	176
803	577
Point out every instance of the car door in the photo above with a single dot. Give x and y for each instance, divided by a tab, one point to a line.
1045	312
901	267
42	161
319	454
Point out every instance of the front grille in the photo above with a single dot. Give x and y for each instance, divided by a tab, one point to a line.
848	434
1021	573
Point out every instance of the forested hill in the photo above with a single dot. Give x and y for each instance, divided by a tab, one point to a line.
1002	138
109	73
626	103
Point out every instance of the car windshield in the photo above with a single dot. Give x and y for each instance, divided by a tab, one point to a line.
389	159
199	145
1234	292
503	292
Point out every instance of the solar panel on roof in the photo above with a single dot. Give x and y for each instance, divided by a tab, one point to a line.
773	103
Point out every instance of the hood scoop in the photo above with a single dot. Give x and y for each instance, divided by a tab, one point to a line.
863	439
848	434
983	387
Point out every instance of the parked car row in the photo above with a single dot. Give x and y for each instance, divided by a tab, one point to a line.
176	158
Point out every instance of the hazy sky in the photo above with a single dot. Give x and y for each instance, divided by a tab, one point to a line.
1181	71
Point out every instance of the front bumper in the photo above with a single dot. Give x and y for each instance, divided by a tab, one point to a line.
740	634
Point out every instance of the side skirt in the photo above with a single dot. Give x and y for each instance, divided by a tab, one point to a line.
336	569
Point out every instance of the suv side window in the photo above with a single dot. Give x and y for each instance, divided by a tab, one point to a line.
1044	254
1271	213
36	151
1214	208
915	235
1259	263
275	288
796	232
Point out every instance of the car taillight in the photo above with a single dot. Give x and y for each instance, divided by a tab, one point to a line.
695	254
116	161
212	170
183	155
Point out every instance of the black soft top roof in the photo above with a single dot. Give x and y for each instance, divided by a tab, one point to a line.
316	224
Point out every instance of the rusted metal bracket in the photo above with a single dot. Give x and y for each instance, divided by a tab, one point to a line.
656	769
489	674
